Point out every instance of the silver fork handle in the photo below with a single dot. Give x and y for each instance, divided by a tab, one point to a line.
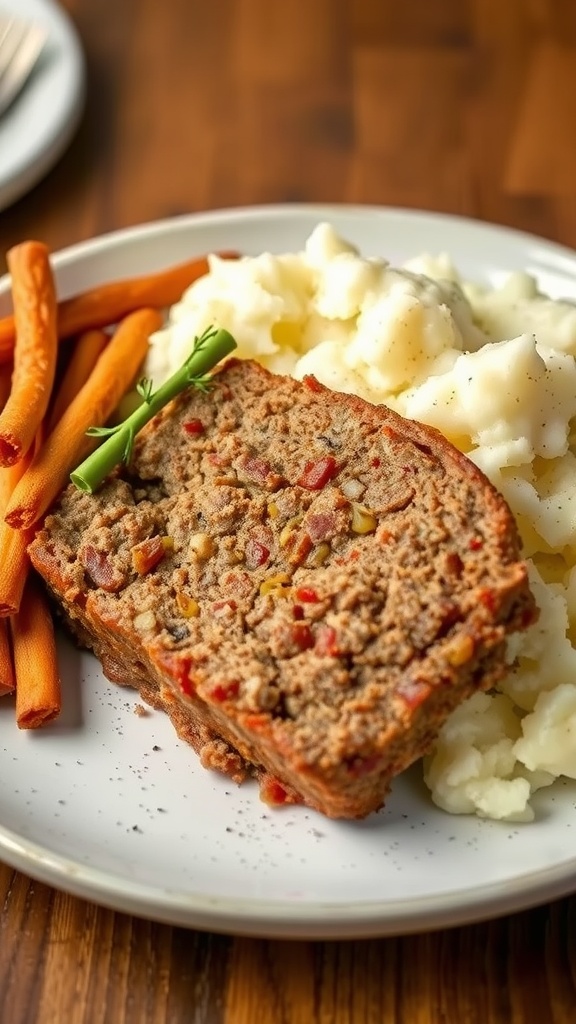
20	48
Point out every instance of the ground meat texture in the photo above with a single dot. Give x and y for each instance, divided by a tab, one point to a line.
308	584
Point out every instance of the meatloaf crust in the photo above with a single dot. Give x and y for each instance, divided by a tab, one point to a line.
308	584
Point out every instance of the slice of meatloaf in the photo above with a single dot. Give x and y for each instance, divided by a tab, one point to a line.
308	584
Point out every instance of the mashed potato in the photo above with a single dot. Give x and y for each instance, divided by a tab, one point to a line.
495	371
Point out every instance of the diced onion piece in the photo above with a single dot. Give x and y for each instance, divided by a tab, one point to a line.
145	621
353	489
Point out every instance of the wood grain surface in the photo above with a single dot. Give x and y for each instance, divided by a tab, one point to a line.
467	106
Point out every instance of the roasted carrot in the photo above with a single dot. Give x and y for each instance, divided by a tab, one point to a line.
113	374
82	361
7	683
38	695
107	303
14	562
35	349
14	567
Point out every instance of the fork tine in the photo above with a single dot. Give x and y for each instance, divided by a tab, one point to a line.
5	24
20	46
9	44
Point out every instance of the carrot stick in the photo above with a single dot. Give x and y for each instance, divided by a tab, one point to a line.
107	303
14	561
35	661
35	349
7	682
68	444
82	361
14	567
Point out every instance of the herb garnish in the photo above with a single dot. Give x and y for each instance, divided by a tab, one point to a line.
208	349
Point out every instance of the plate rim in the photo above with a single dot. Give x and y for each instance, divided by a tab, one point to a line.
282	918
275	919
265	211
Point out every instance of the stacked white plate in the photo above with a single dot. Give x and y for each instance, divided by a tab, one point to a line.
36	129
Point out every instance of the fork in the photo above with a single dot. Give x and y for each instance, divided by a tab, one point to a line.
21	43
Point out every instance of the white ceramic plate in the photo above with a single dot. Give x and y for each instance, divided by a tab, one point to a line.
111	806
39	125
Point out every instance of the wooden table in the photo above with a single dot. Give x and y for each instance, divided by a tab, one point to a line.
466	106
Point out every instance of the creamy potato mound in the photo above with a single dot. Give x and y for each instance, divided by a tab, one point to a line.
495	370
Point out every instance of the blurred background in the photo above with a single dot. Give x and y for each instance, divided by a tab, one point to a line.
467	106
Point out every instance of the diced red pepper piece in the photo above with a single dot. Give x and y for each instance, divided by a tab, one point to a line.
488	599
312	384
316	475
302	636
178	668
272	792
375	462
193	427
255	553
186	686
307	595
476	543
298	612
222	693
